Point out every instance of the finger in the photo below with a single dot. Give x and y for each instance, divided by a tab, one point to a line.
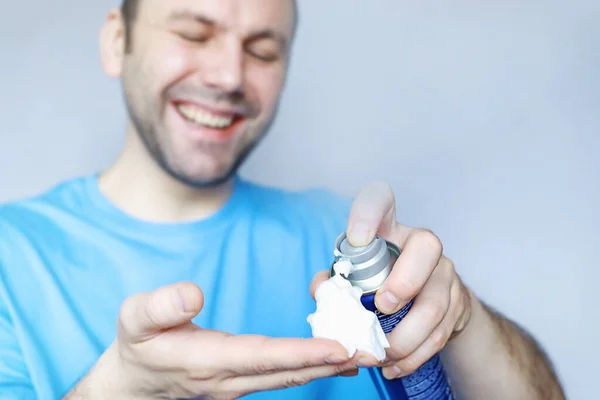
253	354
372	211
365	359
427	312
352	372
146	314
432	346
286	379
421	254
319	278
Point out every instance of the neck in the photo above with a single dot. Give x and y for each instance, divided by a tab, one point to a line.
138	185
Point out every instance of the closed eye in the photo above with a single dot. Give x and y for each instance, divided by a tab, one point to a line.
196	38
265	57
267	50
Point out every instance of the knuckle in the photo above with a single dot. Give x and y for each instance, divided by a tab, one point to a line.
202	375
456	293
126	311
152	310
341	369
434	311
429	239
448	264
263	368
407	287
296	380
127	307
438	340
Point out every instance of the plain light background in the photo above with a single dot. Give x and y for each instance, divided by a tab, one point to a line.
483	116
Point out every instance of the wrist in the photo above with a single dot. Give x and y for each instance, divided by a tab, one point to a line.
478	332
108	378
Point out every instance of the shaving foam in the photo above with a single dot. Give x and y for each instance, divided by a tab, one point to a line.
341	316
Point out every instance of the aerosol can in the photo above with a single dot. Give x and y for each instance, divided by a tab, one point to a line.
372	265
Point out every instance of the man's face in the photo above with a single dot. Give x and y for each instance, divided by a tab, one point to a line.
202	81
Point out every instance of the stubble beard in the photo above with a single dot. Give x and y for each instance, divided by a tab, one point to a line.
148	132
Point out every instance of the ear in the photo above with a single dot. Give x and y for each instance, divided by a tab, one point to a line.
112	43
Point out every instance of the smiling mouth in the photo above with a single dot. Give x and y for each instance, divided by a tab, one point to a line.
204	118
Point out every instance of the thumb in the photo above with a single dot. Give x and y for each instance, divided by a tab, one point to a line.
146	314
372	211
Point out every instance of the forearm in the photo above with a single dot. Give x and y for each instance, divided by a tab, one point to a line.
492	358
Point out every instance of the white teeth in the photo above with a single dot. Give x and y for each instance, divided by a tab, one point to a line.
202	117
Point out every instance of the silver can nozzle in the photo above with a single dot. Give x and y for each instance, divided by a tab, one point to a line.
372	263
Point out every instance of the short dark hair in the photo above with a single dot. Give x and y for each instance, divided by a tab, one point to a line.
129	9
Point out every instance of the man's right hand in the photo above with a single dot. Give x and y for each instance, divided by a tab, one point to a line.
160	353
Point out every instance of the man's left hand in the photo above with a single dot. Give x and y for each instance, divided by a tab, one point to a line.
442	305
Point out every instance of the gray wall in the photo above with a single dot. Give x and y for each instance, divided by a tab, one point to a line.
484	117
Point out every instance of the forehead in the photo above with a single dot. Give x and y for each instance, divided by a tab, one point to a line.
241	16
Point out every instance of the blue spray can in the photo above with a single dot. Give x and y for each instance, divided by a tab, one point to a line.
372	265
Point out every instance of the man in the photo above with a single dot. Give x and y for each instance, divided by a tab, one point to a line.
167	276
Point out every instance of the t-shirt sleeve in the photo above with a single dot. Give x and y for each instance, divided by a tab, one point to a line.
15	383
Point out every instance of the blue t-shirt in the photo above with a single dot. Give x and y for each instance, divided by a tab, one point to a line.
68	259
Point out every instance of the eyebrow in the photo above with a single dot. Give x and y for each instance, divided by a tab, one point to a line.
189	15
194	16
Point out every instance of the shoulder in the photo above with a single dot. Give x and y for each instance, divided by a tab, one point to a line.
31	229
41	213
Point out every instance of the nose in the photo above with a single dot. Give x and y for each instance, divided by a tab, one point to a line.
224	67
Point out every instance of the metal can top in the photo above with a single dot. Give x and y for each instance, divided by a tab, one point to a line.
372	263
